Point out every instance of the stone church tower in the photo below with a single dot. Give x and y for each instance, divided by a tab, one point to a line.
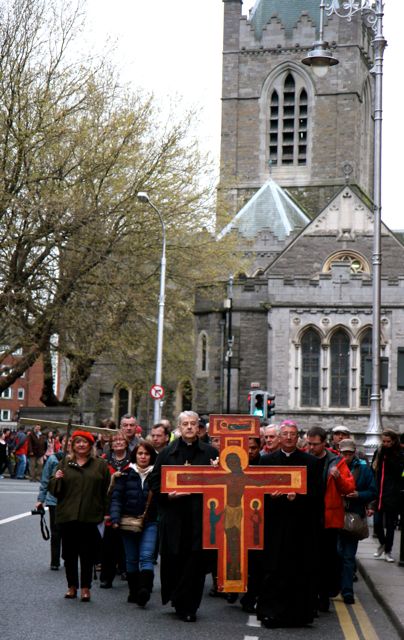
279	119
295	191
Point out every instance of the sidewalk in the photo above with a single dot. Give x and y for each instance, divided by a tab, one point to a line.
385	579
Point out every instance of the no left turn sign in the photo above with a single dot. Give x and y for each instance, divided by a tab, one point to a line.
157	392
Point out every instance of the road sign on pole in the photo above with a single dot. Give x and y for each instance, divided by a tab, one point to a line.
157	392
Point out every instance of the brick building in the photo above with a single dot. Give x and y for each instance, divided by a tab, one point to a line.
295	187
24	392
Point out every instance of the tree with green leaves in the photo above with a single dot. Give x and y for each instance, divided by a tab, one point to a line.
79	255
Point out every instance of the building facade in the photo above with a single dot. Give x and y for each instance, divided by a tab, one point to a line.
301	313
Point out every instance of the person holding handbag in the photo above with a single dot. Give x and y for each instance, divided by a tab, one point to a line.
356	503
133	510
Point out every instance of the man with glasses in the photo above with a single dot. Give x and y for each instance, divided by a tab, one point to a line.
337	482
292	527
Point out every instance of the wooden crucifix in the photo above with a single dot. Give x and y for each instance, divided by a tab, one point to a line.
233	496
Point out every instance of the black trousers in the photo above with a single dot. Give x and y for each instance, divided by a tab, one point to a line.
182	579
55	540
80	541
112	554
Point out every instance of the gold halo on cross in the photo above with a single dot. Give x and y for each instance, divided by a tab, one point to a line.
240	453
259	504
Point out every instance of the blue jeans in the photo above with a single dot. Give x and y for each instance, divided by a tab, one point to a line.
347	548
140	548
20	466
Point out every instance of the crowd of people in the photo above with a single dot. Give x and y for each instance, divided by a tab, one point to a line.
107	508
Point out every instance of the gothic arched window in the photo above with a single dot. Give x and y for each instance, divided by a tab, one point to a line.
310	346
339	382
203	354
365	352
288	121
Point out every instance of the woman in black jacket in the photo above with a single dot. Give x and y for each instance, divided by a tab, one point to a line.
387	466
130	498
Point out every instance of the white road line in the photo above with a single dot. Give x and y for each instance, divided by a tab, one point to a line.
251	638
20	515
253	622
20	493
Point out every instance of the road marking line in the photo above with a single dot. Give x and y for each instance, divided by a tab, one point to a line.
20	515
251	638
253	622
347	626
18	493
366	626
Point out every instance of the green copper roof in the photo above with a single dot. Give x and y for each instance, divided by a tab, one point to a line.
288	11
269	208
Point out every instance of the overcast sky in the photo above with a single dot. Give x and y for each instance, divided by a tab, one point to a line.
173	47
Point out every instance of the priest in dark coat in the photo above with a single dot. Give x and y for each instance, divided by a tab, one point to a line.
183	561
292	525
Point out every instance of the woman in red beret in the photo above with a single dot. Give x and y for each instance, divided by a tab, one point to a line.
80	485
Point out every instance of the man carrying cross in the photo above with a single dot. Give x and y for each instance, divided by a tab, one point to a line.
183	561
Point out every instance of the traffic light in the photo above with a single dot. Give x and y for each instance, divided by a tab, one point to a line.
261	404
270	405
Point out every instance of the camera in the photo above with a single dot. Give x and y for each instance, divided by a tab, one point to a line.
38	512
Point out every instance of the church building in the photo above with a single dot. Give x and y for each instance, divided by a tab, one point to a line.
295	191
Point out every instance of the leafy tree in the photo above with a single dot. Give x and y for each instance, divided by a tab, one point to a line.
79	255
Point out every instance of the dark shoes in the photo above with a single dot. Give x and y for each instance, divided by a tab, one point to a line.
54	567
348	599
269	623
71	593
186	616
105	584
324	604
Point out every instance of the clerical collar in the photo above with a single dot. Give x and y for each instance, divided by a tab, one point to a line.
288	453
189	444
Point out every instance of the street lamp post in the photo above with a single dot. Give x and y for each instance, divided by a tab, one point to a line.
230	340
143	197
372	13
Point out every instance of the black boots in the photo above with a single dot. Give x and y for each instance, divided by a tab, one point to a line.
145	587
133	584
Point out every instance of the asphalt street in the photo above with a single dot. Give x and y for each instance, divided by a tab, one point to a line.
33	607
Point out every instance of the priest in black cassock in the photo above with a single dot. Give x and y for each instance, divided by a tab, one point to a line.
183	562
292	525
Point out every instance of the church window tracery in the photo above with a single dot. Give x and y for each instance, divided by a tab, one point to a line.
365	352
310	345
339	371
288	121
357	263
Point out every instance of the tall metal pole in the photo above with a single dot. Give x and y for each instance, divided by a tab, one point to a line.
372	12
229	353
375	423
143	197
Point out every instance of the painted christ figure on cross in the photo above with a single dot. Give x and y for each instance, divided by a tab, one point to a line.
233	500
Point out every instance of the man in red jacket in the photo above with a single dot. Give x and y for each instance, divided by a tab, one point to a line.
337	482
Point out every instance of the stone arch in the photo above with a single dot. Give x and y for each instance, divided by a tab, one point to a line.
275	82
358	263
